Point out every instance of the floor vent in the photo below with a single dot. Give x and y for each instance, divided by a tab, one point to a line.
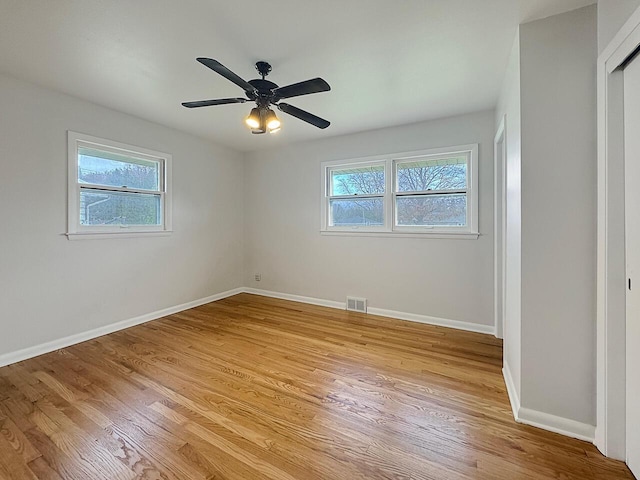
357	304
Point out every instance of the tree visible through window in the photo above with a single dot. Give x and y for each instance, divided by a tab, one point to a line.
358	196
432	192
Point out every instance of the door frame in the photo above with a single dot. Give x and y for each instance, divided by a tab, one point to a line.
611	266
500	227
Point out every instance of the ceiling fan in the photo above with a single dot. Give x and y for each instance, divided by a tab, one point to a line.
265	93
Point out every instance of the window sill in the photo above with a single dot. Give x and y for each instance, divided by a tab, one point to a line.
400	234
103	235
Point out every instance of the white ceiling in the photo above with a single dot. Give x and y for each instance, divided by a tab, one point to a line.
389	62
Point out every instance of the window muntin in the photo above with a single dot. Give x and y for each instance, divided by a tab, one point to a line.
116	188
428	192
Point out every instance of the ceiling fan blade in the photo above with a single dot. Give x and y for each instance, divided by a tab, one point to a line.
304	116
226	73
314	85
207	103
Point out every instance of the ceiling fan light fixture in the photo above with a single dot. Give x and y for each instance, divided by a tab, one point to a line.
253	120
265	93
273	123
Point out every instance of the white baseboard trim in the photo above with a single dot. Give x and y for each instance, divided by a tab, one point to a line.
561	425
439	322
546	421
412	317
30	352
296	298
514	399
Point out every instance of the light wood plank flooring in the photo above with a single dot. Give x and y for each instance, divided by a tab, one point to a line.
257	388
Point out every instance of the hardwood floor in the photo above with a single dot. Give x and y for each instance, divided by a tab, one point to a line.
257	388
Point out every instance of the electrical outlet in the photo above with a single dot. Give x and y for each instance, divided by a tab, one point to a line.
258	277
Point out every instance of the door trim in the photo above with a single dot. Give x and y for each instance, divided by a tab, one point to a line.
611	267
500	211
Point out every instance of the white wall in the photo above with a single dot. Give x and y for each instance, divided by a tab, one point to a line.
558	102
612	14
451	279
509	108
51	287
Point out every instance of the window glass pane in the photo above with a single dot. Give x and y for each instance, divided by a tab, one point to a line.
100	207
112	170
358	181
357	212
437	174
432	210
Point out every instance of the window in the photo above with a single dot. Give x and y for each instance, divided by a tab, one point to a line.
432	192
356	196
117	189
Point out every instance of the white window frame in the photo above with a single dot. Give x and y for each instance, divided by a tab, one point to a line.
75	230
468	231
386	201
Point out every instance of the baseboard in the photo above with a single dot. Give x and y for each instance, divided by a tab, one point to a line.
512	392
412	317
439	322
296	298
561	425
546	421
30	352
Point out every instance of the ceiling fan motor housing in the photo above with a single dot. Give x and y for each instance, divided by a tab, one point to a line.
265	90
263	68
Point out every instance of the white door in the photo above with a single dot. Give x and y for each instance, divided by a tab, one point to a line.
632	242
